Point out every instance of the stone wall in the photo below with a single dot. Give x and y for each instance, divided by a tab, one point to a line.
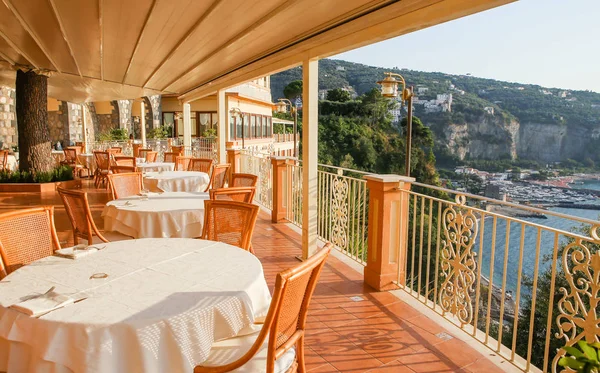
8	118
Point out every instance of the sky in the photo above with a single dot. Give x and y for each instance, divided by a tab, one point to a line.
553	43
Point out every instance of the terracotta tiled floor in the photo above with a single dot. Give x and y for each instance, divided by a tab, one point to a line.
379	333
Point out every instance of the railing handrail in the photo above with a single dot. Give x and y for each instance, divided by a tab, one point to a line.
342	168
593	223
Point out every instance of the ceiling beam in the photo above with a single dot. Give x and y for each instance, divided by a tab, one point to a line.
100	9
7	59
24	24
280	8
187	35
137	43
18	50
64	34
391	21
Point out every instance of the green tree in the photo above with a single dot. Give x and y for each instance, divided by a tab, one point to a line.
338	95
293	90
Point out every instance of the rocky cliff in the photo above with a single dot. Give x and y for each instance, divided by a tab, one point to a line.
492	138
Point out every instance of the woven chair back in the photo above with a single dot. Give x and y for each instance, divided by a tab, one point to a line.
125	184
243	180
26	236
201	165
238	194
229	222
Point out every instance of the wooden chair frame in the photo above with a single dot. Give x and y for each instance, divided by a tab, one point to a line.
313	267
3	160
112	177
143	151
170	155
90	226
246	192
99	176
182	163
246	239
206	165
48	210
151	156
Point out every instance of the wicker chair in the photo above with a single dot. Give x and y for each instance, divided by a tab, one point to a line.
201	165
115	150
26	236
238	194
122	169
151	156
243	180
170	157
279	346
71	157
182	163
78	210
3	160
229	222
125	184
218	177
102	167
142	152
123	160
136	149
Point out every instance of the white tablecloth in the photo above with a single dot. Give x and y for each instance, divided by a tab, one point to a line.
169	214
156	166
162	306
176	181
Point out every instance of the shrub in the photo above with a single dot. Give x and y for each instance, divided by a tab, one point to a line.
61	173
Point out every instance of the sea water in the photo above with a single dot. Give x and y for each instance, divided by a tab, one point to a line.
528	254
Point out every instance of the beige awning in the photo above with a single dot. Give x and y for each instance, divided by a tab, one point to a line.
282	121
115	49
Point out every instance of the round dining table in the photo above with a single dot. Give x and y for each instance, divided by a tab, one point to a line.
155	166
157	215
151	305
176	181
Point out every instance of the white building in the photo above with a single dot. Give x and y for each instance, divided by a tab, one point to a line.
489	110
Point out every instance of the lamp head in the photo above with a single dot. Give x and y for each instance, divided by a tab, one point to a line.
281	106
389	86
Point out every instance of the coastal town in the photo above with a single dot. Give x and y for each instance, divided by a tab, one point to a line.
523	187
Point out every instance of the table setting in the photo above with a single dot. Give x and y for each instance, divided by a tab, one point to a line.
176	181
152	305
159	215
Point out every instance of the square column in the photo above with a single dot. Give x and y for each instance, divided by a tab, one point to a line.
187	125
310	131
388	230
143	123
222	126
84	132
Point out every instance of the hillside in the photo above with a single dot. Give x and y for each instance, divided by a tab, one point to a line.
489	119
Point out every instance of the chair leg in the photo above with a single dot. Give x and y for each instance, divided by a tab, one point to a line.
300	355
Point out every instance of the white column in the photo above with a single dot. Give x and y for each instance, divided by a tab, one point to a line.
223	125
143	123
187	125
84	135
310	130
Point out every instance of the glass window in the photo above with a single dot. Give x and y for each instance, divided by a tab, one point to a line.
264	127
253	126
194	125
204	122
231	127
246	125
269	127
238	132
214	120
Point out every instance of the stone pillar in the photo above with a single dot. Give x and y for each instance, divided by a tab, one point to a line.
281	188
8	123
388	230
85	132
310	131
233	158
222	125
187	125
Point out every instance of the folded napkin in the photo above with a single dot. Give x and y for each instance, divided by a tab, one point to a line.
129	204
42	304
76	251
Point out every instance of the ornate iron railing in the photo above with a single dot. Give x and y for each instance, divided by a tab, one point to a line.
259	164
521	288
342	202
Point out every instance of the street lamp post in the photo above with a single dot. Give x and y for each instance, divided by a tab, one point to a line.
237	111
282	108
389	88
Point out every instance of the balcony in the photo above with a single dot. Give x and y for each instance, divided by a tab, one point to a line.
476	266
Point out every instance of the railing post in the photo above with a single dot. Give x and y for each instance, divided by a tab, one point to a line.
388	230
233	158
281	189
